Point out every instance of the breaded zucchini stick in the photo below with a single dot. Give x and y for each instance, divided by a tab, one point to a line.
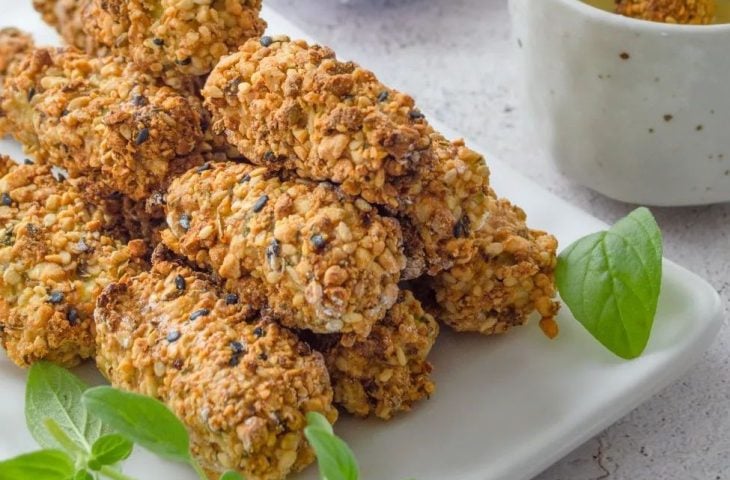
99	118
321	261
57	253
292	106
387	372
692	12
241	385
164	37
509	277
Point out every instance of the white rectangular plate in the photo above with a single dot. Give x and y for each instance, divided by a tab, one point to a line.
505	408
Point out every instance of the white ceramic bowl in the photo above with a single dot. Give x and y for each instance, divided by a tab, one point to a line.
636	110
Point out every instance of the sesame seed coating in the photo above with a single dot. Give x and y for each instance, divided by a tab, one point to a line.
346	286
14	44
692	12
295	107
509	276
387	372
56	255
247	415
84	116
168	38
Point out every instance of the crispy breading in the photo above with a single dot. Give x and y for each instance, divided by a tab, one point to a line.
57	253
241	385
99	118
292	106
387	372
168	38
14	44
322	262
447	205
692	12
509	276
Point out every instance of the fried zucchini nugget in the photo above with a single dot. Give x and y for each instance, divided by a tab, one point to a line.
509	277
321	261
386	372
99	118
292	106
164	37
691	12
56	255
14	44
241	385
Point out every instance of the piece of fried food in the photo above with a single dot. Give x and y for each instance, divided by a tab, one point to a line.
292	106
241	385
691	12
99	118
386	372
14	44
322	262
509	276
167	38
447	205
57	253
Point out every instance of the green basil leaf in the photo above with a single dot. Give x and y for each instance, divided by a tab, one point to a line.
231	475
611	282
108	450
316	419
142	419
54	392
334	458
40	465
83	475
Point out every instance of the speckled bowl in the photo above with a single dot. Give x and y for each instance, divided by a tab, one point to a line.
636	110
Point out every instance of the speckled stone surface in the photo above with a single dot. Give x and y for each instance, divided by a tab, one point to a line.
456	58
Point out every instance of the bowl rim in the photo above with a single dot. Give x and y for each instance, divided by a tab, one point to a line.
599	14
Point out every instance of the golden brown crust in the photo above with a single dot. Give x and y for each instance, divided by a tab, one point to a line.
167	38
56	256
387	372
509	276
241	385
14	44
292	106
692	12
321	261
98	118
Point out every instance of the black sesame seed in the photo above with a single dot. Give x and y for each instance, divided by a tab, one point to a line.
184	61
260	203
462	227
231	299
55	297
273	250
139	100
180	282
416	114
60	176
6	200
184	221
158	41
32	229
266	41
203	167
31	93
173	336
245	179
72	315
199	313
269	156
27	161
383	96
234	361
142	136
237	347
263	357
318	241
64	112
259	332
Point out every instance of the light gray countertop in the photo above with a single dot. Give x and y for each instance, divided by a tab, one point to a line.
456	58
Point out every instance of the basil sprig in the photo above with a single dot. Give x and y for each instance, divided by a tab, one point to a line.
611	282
